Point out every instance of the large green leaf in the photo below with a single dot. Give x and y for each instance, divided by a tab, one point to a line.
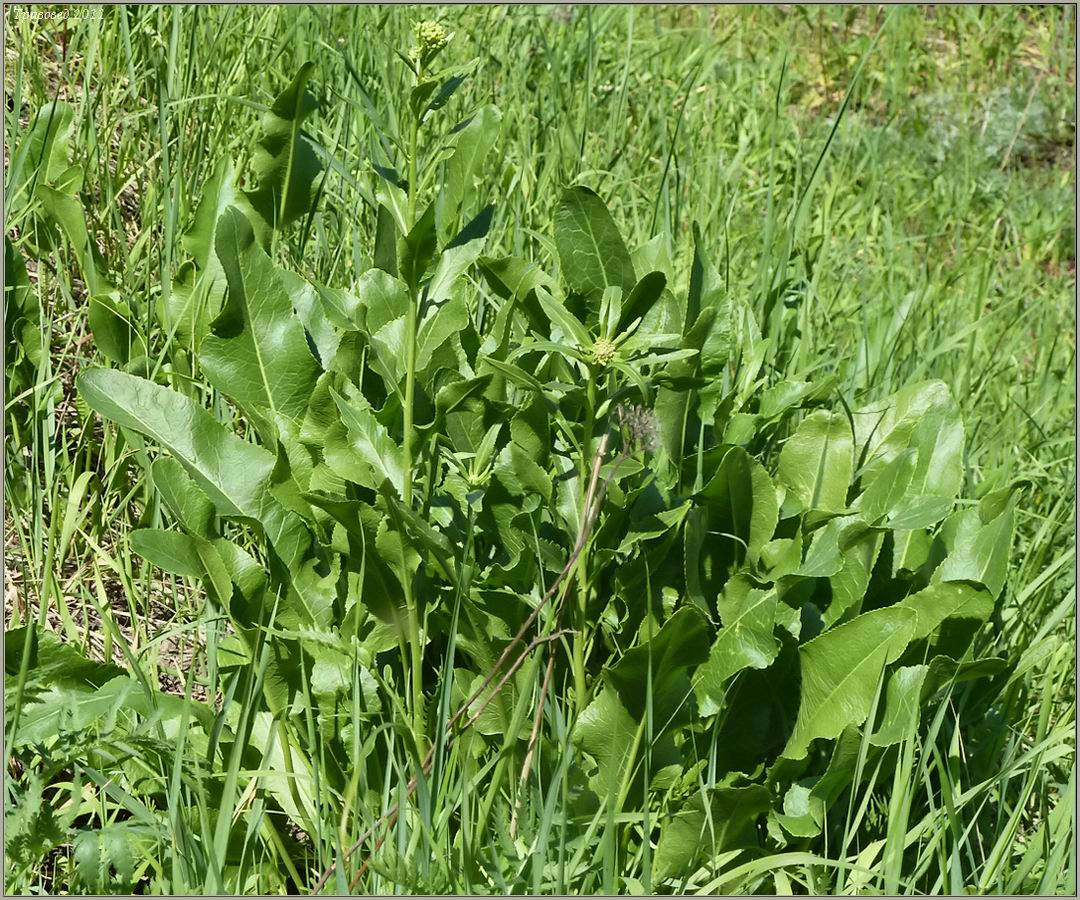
641	299
816	463
52	662
417	249
473	142
841	670
184	498
745	640
695	834
234	474
285	160
606	731
258	353
176	553
115	332
438	328
888	488
66	709
735	517
218	194
378	588
591	250
848	585
949	614
370	455
682	643
742	503
458	255
42	154
607	728
922	416
570	330
903	704
978	550
706	292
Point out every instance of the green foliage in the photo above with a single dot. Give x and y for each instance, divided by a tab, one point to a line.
528	548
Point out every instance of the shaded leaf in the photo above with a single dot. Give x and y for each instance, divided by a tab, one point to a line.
745	639
285	160
692	836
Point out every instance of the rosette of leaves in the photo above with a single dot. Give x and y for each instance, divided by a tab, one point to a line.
767	573
833	578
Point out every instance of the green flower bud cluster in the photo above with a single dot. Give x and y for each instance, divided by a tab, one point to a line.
603	352
431	37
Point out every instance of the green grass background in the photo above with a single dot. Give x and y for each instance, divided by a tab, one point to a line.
937	241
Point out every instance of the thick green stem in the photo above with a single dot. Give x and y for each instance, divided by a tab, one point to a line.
581	636
411	324
410	327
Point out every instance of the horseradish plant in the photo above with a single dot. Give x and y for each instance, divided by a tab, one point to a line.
497	494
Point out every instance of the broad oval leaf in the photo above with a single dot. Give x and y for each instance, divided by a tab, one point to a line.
816	463
170	551
591	250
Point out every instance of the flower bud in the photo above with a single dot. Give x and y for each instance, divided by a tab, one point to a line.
431	37
603	352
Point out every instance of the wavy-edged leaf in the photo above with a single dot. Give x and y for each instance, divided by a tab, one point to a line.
745	639
234	474
840	673
376	457
694	834
936	603
682	643
285	160
979	551
258	354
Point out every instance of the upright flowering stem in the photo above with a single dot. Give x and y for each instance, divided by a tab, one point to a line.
430	39
581	635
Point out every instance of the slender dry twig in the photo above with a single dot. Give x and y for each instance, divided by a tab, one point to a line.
590	508
526	767
587	517
536	642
